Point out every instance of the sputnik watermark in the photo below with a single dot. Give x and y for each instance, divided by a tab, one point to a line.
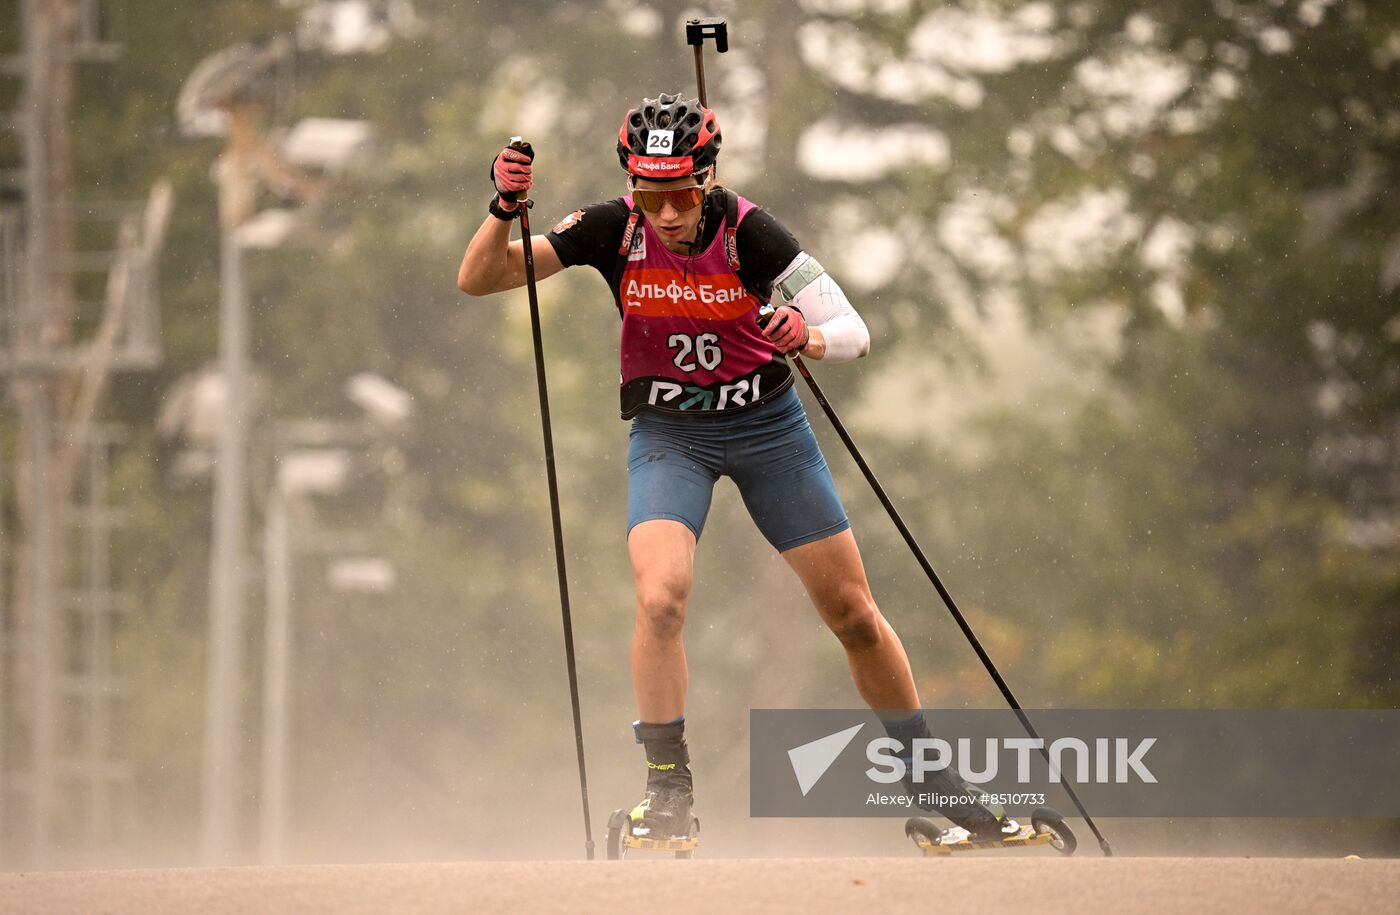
1120	762
1113	762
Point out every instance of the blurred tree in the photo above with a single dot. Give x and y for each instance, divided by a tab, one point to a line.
1114	267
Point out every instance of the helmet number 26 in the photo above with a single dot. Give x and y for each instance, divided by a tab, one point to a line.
704	346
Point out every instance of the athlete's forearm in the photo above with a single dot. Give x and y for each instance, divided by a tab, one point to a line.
486	266
844	337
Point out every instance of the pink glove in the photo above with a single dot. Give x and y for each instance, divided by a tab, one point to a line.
787	329
511	172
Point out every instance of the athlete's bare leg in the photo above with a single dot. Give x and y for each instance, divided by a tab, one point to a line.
834	576
663	563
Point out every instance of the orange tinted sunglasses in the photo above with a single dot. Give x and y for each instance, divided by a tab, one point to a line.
680	198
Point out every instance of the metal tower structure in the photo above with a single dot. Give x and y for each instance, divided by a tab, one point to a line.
63	267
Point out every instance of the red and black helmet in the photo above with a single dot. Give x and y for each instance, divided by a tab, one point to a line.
668	137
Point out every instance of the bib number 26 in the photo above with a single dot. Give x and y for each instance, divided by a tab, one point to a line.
704	347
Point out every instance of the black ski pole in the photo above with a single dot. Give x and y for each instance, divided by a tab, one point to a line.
942	591
696	31
523	208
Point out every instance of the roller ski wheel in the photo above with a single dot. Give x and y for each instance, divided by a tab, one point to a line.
1047	822
622	837
1046	828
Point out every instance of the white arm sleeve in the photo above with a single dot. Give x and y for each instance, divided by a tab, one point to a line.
806	285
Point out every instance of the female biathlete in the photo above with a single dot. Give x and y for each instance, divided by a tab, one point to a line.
710	394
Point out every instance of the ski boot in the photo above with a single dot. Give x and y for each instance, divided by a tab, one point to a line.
662	820
976	826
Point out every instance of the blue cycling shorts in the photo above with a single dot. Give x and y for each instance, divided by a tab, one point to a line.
769	452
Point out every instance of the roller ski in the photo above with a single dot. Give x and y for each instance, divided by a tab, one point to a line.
663	820
1046	828
977	826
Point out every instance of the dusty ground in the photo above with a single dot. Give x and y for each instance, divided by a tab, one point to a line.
1080	884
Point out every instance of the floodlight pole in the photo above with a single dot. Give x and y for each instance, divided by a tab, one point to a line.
223	709
277	572
246	157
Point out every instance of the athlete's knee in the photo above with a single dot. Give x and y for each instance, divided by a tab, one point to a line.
855	620
661	608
